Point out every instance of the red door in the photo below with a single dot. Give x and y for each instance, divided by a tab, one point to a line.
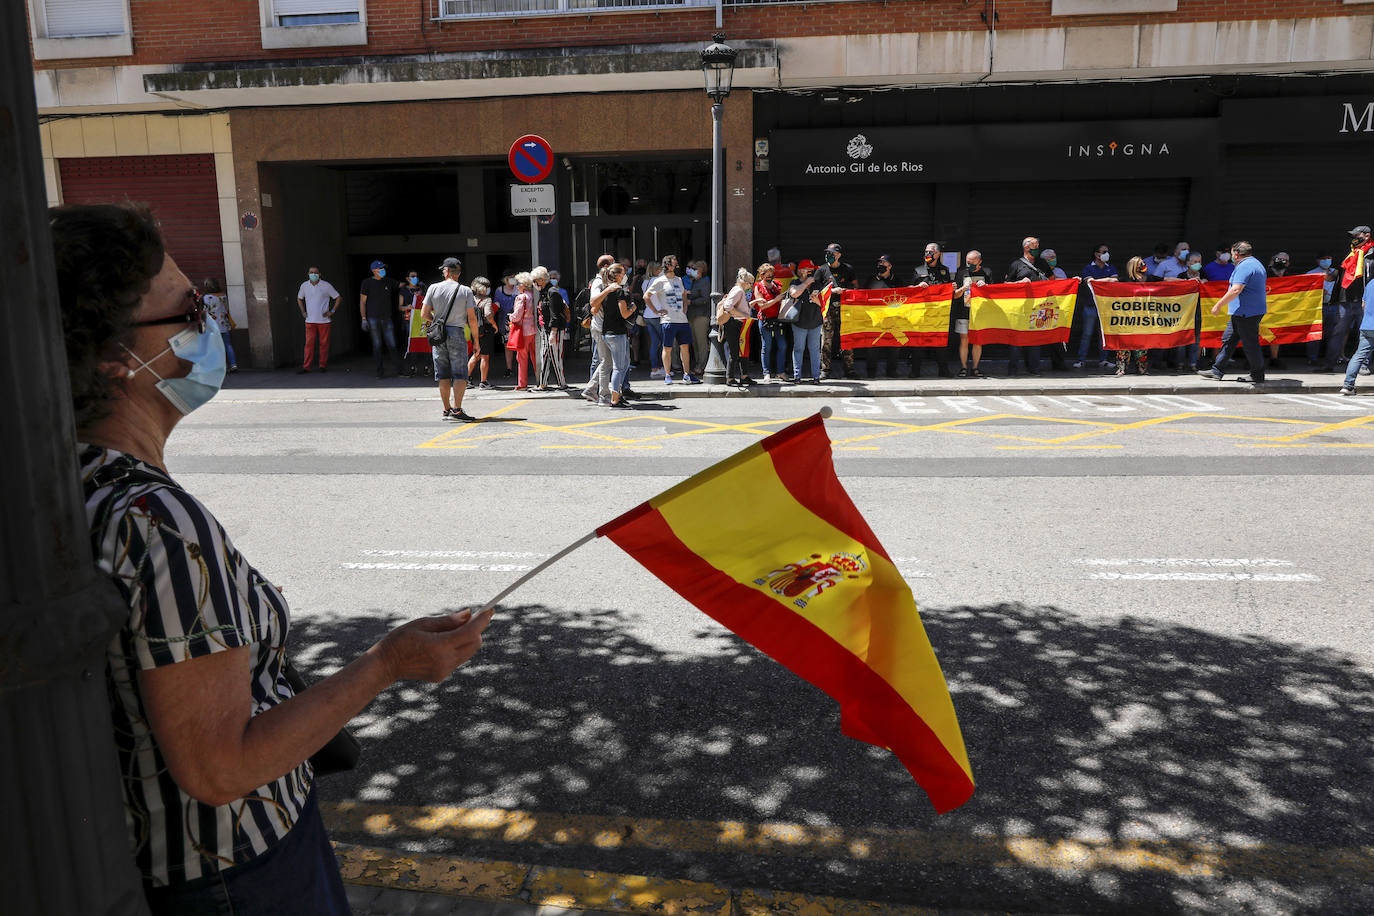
180	190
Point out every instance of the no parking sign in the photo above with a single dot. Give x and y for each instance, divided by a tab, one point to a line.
530	158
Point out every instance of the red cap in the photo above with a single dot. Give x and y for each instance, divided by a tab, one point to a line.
806	264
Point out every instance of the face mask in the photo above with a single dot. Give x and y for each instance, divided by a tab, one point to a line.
930	259
314	278
553	281
1195	266
412	280
1224	257
381	272
1324	263
1051	261
692	273
205	352
1280	264
974	265
831	257
1034	253
1105	256
1183	255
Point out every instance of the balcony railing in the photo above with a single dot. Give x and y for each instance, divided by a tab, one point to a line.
506	9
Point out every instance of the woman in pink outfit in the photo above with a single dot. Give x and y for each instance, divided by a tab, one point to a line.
523	315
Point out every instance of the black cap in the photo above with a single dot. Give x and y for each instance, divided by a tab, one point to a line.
884	258
1360	230
833	246
451	264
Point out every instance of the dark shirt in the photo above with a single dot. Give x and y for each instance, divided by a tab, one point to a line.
841	275
612	322
1093	272
412	296
381	296
888	282
930	274
960	308
809	313
553	304
1020	270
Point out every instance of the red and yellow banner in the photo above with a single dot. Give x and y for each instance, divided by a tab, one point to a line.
419	343
744	348
911	316
1294	310
824	300
1145	316
802	577
1022	314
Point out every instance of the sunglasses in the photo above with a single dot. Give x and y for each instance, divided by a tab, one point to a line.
194	314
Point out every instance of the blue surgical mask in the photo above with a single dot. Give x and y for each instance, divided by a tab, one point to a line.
204	350
1196	265
381	271
1324	263
413	280
314	278
1183	255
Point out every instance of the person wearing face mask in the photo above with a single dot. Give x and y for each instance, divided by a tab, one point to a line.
1347	293
1135	272
884	277
697	283
1330	313
931	272
1050	258
838	274
212	741
1171	268
375	297
412	297
972	274
1099	268
1278	267
1220	268
504	297
318	300
1025	269
1187	354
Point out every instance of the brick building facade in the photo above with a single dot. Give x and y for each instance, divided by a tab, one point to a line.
290	132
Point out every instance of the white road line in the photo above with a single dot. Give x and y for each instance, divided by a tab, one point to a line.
1324	401
1184	561
457	554
1205	577
441	567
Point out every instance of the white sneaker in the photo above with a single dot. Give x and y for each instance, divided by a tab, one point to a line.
767	378
657	373
1347	391
1078	364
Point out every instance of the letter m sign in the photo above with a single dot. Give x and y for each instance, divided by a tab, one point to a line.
1364	121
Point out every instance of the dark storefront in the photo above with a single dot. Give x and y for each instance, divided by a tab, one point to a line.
1279	161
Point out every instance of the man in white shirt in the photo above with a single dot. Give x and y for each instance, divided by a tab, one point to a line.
664	297
318	300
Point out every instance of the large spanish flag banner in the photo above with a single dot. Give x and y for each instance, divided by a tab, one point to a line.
1022	314
801	577
911	316
1144	316
1294	311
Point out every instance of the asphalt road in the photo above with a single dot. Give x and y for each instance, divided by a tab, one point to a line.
1152	612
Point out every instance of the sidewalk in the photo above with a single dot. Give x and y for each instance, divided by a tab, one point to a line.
353	377
382	882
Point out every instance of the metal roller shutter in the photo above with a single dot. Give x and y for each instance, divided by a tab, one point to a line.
1072	217
180	190
867	221
1299	198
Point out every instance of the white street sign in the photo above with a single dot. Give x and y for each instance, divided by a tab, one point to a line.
531	200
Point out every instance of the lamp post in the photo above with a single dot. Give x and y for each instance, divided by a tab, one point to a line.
718	66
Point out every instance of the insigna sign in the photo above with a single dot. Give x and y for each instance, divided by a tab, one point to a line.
1125	150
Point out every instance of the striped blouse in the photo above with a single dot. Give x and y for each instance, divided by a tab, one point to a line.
190	593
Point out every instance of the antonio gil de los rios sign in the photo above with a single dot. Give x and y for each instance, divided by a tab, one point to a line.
989	152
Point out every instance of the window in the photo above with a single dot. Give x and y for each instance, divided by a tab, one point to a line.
313	23
478	9
80	28
314	12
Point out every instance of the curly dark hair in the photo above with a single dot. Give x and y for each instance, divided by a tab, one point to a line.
106	256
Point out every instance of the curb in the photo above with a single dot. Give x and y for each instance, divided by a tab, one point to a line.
537	886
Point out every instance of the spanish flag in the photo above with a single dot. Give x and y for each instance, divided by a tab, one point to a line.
801	577
912	316
1294	310
1143	316
824	299
745	326
419	341
1022	314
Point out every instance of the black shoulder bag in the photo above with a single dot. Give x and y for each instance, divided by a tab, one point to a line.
342	751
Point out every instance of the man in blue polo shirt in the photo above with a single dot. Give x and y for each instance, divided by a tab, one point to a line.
1362	355
1246	303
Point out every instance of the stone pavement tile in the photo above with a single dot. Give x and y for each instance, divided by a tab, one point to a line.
393	902
360	897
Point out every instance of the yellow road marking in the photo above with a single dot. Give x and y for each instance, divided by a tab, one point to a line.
1057	448
499	825
613	446
440	440
1303	445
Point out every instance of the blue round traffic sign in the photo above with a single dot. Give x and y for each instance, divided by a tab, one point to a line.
530	158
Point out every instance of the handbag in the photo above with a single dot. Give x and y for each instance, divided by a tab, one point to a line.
515	337
342	751
789	312
436	331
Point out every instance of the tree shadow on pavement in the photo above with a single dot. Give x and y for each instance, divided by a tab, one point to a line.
1122	766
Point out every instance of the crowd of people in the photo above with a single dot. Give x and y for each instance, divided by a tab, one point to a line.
772	326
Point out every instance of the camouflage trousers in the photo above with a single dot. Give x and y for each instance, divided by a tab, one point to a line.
830	340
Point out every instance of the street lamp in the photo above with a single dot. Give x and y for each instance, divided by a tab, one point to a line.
718	66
